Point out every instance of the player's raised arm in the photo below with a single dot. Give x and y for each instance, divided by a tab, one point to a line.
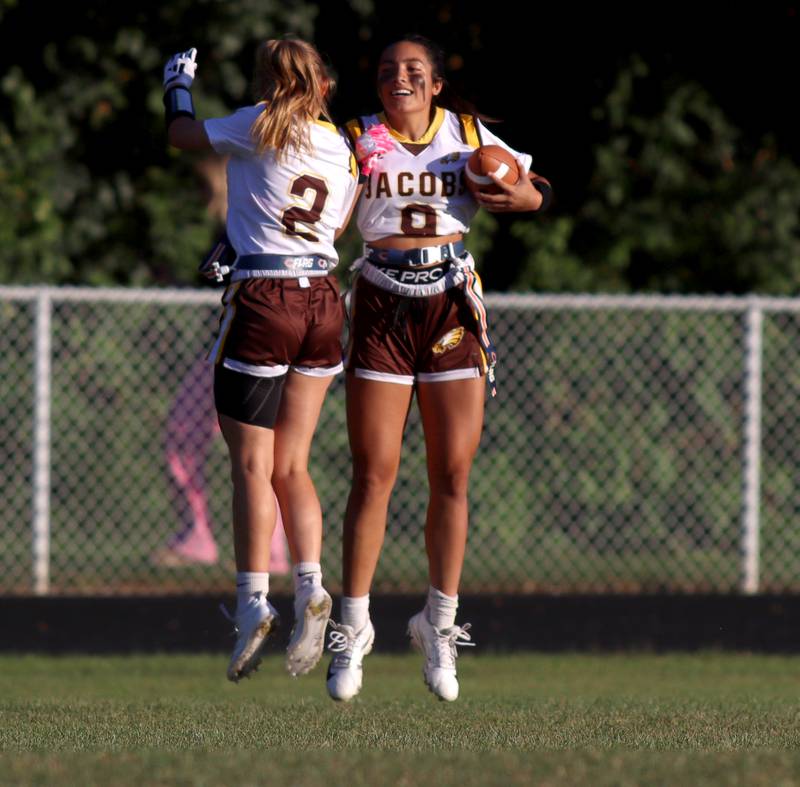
183	130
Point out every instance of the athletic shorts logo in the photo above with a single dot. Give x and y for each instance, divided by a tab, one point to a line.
450	340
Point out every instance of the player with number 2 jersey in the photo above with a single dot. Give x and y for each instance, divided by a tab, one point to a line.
291	207
291	179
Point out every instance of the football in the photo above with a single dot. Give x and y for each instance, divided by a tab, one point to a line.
486	160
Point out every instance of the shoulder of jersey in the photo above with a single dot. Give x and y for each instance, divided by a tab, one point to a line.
346	144
327	125
469	129
354	129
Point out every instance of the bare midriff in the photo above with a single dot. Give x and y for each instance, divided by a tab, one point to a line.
413	241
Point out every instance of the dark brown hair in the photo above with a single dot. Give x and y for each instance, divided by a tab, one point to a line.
447	98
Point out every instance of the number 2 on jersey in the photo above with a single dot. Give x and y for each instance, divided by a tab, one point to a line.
298	220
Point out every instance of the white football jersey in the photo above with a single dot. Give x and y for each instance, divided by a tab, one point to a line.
293	207
422	193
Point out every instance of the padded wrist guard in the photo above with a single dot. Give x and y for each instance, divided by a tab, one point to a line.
178	103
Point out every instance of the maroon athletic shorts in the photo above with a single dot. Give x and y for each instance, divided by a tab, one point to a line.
397	339
270	325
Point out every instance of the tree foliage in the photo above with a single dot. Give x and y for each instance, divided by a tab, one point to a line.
678	202
91	193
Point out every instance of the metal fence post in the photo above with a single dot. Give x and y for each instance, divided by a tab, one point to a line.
41	444
752	448
568	450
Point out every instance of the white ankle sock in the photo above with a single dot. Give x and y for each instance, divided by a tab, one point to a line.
441	608
355	611
248	583
307	573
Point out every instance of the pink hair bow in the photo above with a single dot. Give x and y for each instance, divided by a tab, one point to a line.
371	145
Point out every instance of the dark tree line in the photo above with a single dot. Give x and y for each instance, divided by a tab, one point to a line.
675	170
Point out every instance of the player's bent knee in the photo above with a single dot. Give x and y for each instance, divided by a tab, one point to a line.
450	486
286	477
246	398
375	481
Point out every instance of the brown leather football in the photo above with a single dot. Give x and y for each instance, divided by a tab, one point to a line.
490	159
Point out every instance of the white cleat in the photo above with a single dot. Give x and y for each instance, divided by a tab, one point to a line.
312	609
349	647
253	626
439	647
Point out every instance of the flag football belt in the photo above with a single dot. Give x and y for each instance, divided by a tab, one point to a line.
416	273
217	263
474	296
280	266
409	258
414	282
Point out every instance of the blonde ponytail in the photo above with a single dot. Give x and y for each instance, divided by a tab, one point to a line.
292	80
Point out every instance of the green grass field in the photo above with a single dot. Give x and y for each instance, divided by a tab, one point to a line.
525	719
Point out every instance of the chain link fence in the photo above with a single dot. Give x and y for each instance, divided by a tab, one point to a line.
636	445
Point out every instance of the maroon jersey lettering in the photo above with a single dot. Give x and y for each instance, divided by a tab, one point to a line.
419	220
299	221
427	184
449	181
402	189
382	188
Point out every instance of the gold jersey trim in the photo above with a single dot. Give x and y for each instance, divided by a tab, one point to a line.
470	133
326	124
353	129
426	138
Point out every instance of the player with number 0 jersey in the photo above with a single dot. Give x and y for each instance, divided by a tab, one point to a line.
291	180
417	188
417	324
